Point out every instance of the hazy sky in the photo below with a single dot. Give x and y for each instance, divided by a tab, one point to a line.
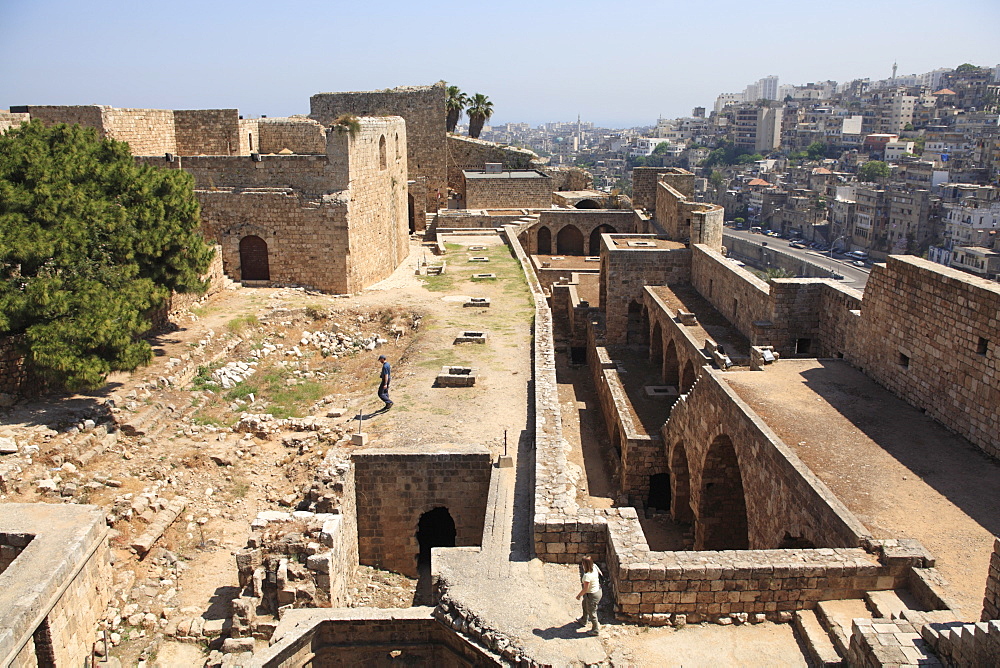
615	63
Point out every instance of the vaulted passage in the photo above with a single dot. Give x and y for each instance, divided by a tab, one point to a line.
680	479
687	380
595	237
544	241
587	204
569	241
722	513
656	345
659	491
671	370
253	259
436	528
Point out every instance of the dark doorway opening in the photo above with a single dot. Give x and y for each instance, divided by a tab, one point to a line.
587	204
544	241
659	491
578	355
595	237
436	528
569	241
253	259
409	213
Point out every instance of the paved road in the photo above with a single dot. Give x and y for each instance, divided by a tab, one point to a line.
854	277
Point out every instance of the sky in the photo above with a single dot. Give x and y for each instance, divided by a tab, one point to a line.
617	64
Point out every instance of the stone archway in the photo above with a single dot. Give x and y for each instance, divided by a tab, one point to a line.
254	264
671	365
656	345
722	511
595	237
569	241
435	528
587	204
680	484
688	378
543	242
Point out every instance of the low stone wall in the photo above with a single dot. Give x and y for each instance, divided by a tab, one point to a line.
529	189
991	602
737	294
468	153
752	252
298	135
367	637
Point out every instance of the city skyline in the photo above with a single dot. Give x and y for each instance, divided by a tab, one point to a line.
536	63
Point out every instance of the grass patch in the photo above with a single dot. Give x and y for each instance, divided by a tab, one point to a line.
480	279
454	247
204	419
442	283
241	322
242	390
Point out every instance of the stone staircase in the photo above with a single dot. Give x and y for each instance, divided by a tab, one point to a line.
884	628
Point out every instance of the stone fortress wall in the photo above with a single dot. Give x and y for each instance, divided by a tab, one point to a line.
423	109
525	189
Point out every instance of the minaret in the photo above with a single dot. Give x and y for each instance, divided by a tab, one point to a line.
894	71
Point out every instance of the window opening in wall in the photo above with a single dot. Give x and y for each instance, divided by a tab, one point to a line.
382	161
904	361
802	346
736	304
711	286
250	140
983	346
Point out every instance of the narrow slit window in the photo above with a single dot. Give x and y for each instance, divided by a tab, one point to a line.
983	346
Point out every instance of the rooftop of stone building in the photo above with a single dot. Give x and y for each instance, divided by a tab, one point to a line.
576	262
900	472
710	323
626	242
505	174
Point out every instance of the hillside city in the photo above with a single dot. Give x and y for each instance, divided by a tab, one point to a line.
791	159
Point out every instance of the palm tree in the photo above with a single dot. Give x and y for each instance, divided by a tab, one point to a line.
455	104
479	111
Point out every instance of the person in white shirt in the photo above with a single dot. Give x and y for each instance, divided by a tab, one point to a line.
590	592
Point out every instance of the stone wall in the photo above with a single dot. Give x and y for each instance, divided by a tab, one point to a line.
422	107
468	153
991	602
684	220
10	120
303	136
305	238
207	131
147	131
56	590
753	252
783	497
310	175
645	180
507	190
584	220
395	488
14	368
624	274
249	131
737	294
349	637
90	116
569	178
931	335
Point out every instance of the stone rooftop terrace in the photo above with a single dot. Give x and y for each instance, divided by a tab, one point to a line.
901	473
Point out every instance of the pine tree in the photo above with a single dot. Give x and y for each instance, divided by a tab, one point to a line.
89	243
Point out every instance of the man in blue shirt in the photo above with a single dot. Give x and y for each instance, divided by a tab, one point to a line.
383	388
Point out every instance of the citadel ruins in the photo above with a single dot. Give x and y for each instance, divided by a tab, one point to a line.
792	453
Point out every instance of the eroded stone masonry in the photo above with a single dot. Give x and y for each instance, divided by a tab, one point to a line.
784	435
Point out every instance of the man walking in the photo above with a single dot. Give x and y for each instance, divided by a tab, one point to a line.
383	388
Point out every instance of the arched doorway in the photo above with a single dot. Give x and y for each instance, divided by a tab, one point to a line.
671	367
409	213
687	380
382	158
436	528
722	512
680	482
595	237
656	345
544	243
587	204
569	241
637	329
659	491
253	259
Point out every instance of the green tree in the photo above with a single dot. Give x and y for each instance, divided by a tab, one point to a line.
873	170
966	68
89	243
455	104
662	148
479	110
816	150
716	179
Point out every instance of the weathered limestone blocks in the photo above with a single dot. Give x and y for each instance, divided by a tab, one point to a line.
163	519
456	376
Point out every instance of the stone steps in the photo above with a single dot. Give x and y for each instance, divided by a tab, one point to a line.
891	604
816	639
837	618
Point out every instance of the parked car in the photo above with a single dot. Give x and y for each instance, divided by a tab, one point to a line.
859	263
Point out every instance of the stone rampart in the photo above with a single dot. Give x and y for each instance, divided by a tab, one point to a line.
468	153
569	178
931	335
684	220
10	120
147	131
645	182
303	136
207	131
422	107
680	348
737	294
528	189
758	255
